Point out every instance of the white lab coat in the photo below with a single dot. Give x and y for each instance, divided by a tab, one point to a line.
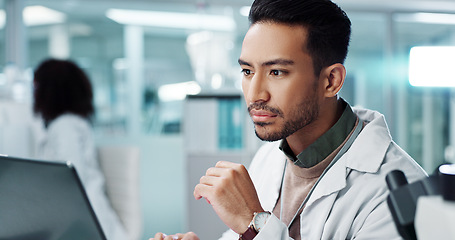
350	200
69	138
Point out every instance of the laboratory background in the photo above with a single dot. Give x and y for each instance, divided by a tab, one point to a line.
167	87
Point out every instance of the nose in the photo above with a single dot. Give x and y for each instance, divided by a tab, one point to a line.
256	89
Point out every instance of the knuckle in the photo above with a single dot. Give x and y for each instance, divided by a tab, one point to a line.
230	173
222	183
238	167
241	167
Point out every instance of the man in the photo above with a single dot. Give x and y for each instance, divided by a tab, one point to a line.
323	174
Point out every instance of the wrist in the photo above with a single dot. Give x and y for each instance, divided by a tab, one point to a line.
246	220
243	226
257	223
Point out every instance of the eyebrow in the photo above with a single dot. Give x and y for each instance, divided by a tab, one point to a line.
241	62
279	61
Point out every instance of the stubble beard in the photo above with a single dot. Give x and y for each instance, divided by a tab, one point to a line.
304	114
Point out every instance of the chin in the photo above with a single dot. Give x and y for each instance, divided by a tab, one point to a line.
268	136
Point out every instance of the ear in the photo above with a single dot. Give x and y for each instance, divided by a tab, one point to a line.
334	76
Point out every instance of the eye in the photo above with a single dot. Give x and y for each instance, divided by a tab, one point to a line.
277	72
246	72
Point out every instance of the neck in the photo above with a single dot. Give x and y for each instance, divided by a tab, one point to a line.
329	113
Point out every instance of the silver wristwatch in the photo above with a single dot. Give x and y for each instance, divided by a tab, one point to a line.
259	220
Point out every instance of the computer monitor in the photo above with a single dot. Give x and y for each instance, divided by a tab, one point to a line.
44	200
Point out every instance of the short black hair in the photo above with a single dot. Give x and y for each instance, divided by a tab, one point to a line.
60	86
329	28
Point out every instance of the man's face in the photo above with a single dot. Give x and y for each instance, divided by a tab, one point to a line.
279	84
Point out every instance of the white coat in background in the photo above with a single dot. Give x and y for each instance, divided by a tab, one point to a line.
69	138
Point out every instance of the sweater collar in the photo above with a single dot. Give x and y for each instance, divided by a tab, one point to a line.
324	145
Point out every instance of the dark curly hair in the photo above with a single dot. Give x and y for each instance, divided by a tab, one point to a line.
60	86
329	28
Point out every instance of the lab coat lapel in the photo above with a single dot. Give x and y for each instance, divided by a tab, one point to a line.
273	184
333	181
365	155
268	185
320	203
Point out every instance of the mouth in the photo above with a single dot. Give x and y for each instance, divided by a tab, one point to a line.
261	116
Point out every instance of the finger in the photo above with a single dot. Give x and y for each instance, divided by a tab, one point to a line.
190	236
209	180
159	236
178	236
213	171
201	190
170	237
222	170
225	164
230	165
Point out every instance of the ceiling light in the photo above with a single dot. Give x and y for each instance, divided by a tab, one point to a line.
178	91
432	66
432	18
172	19
37	15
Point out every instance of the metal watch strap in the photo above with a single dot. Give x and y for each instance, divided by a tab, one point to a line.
249	234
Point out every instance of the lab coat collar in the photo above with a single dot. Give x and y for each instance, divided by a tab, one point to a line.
365	155
368	151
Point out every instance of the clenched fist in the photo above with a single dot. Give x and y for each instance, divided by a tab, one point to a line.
230	191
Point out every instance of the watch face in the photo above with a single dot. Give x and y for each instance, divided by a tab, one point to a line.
260	219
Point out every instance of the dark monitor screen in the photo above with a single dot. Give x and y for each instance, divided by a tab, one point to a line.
44	200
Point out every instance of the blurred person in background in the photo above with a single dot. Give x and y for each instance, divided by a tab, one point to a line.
63	98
